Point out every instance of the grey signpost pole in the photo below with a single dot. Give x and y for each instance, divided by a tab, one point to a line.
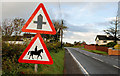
39	26
36	67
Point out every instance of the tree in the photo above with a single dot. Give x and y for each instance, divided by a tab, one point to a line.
75	42
111	44
113	30
59	27
12	26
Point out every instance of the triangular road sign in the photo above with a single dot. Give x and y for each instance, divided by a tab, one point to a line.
36	52
39	22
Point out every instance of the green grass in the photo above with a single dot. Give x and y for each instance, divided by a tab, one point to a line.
56	68
58	64
12	66
96	51
0	72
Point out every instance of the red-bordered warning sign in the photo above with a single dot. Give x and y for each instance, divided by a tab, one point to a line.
36	54
39	22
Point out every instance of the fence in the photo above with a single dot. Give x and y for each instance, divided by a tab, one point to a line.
112	51
94	47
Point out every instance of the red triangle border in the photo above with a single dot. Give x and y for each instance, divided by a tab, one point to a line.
53	32
21	60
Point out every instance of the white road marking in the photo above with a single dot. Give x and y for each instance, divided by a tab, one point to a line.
102	60
82	68
86	54
98	59
116	66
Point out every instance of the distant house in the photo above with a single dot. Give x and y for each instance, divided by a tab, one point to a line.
29	36
19	39
82	44
104	39
119	36
13	39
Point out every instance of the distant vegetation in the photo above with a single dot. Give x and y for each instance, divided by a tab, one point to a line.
111	44
117	46
96	51
12	52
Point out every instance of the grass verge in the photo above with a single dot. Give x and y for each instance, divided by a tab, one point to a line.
0	72
96	51
57	67
12	52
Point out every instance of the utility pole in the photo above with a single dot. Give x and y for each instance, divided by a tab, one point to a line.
61	30
118	14
116	23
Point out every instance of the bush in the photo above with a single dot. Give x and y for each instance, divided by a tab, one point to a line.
68	45
117	46
11	54
52	47
111	44
9	50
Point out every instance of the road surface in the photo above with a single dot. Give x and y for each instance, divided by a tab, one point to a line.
92	64
70	66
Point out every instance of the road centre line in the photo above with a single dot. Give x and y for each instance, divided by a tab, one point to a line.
103	61
92	57
82	68
82	53
98	59
86	54
116	66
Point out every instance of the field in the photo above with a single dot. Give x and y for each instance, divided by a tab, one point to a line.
57	67
93	51
96	51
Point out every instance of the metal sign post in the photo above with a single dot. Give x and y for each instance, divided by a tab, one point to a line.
37	52
36	67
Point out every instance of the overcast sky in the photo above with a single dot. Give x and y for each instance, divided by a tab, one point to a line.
84	20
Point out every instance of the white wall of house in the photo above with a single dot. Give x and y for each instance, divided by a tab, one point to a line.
102	42
118	42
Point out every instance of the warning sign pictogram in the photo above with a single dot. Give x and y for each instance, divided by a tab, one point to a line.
39	22
36	54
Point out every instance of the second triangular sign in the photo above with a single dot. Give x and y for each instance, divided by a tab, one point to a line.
36	52
39	22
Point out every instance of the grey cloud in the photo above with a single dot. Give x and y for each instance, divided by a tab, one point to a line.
18	9
82	28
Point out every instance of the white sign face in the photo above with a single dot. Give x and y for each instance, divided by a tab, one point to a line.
36	52
39	22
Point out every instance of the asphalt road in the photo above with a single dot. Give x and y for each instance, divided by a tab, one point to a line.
70	66
93	65
112	60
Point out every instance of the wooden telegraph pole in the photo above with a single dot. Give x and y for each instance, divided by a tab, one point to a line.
61	29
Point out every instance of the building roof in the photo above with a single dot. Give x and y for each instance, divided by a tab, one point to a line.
12	38
17	38
28	35
104	37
